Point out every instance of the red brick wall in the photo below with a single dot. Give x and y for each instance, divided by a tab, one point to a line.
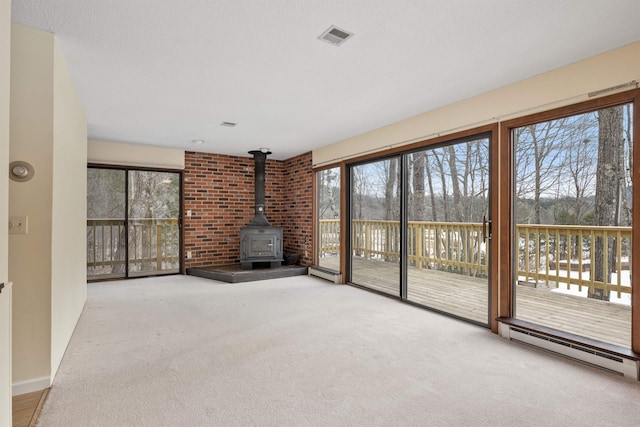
219	192
298	207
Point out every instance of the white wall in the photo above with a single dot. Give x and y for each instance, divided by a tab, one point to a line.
5	296
117	153
30	254
47	265
69	211
566	85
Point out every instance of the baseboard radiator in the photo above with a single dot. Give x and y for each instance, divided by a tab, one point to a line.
325	274
627	367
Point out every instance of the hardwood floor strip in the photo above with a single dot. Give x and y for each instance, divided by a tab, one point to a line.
36	412
26	408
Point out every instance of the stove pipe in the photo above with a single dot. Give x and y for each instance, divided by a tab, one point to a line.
260	158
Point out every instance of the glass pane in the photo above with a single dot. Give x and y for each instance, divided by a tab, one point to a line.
375	225
154	236
573	224
448	190
328	190
106	233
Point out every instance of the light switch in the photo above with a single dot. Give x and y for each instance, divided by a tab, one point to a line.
188	212
18	224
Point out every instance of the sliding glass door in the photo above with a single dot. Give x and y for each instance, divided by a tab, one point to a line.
133	226
447	238
420	227
154	234
375	225
106	219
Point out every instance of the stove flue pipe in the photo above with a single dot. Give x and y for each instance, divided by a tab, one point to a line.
260	158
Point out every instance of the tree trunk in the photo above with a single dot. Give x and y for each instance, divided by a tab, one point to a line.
608	178
457	195
418	187
536	195
432	196
390	205
443	180
389	191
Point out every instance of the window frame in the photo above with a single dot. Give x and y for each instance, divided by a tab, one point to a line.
507	224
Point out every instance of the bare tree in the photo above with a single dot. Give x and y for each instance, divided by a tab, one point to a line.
610	150
329	194
359	189
548	142
443	181
390	184
432	195
418	205
627	166
455	183
580	161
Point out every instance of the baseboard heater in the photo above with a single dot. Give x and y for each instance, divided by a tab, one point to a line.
331	276
627	367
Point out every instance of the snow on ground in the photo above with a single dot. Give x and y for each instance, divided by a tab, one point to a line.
615	297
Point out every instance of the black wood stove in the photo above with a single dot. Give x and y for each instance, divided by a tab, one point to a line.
260	242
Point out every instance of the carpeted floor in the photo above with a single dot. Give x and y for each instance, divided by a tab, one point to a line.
299	351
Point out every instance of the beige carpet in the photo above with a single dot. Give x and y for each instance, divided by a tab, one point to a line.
185	351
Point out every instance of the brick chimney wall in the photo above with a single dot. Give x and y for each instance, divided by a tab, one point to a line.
298	207
218	190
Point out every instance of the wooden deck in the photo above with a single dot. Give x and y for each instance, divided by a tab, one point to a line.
467	297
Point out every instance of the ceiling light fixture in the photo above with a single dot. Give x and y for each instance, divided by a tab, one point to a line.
265	149
228	124
335	35
198	141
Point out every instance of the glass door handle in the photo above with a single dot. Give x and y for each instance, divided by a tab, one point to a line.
486	228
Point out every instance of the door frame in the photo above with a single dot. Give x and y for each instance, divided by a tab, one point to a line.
506	226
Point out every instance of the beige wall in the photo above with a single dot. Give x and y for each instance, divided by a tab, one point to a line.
566	85
116	153
30	254
5	296
69	212
48	130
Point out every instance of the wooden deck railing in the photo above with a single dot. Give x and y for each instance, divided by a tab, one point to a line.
154	245
556	255
565	254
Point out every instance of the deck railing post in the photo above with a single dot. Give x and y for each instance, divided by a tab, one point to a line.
159	247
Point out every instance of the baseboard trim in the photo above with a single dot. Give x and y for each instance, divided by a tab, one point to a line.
616	363
28	386
322	273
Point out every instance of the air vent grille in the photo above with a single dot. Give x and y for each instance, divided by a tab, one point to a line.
335	36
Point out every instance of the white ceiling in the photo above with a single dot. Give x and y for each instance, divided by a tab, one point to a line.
166	72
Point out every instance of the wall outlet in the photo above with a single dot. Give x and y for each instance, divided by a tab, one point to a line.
18	225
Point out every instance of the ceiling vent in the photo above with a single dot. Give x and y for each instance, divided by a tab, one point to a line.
335	36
